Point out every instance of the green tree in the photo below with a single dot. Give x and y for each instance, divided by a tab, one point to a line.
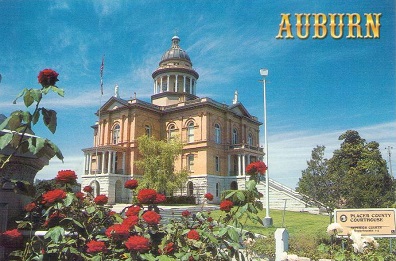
158	164
314	182
359	175
356	176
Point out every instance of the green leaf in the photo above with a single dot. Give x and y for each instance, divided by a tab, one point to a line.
15	120
55	233
69	199
91	209
26	116
36	94
55	148
240	196
5	140
36	116
36	144
230	194
49	118
57	90
251	185
28	99
233	234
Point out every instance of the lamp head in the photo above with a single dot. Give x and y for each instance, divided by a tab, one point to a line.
264	72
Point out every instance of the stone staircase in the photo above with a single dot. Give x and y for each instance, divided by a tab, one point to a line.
282	197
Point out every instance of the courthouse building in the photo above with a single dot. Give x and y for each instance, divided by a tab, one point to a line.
219	139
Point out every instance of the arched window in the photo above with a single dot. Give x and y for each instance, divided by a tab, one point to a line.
190	189
217	133
234	185
250	139
171	131
190	132
147	130
190	162
234	136
116	134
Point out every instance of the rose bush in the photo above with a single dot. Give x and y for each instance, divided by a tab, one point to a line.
81	227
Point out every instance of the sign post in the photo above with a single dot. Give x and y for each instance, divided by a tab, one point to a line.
369	222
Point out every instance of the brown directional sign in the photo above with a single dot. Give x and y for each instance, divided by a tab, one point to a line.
369	222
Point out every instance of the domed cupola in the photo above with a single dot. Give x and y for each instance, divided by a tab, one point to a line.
174	80
175	52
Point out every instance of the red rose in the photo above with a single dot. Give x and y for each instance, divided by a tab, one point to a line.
88	189
117	232
138	243
130	221
210	219
193	234
11	238
186	213
147	196
79	195
226	205
47	77
168	249
66	177
96	246
151	217
159	198
29	207
131	184
257	167
101	199
133	211
55	195
209	196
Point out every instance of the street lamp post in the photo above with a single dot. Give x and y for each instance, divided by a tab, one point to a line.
267	220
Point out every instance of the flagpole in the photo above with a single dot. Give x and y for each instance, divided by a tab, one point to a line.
99	128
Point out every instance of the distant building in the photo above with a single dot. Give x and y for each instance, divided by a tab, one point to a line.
219	139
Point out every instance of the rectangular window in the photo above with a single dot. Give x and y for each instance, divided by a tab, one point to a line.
217	163
190	162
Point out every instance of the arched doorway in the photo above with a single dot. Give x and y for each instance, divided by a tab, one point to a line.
190	189
234	185
96	188
118	192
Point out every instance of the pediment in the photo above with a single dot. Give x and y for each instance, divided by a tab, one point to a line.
239	110
113	103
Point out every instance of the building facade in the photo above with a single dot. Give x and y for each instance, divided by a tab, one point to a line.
219	140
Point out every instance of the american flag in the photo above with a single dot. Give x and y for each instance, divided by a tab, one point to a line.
101	75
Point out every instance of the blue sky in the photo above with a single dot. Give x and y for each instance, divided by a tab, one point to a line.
316	89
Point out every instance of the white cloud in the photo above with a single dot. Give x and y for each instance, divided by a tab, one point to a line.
74	162
289	152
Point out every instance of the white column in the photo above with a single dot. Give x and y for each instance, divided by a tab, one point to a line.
109	161
239	164
113	170
161	84
190	84
177	76
243	165
85	163
229	165
167	83
103	161
89	163
123	162
184	83
155	85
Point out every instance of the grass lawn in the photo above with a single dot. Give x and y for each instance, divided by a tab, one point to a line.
296	223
